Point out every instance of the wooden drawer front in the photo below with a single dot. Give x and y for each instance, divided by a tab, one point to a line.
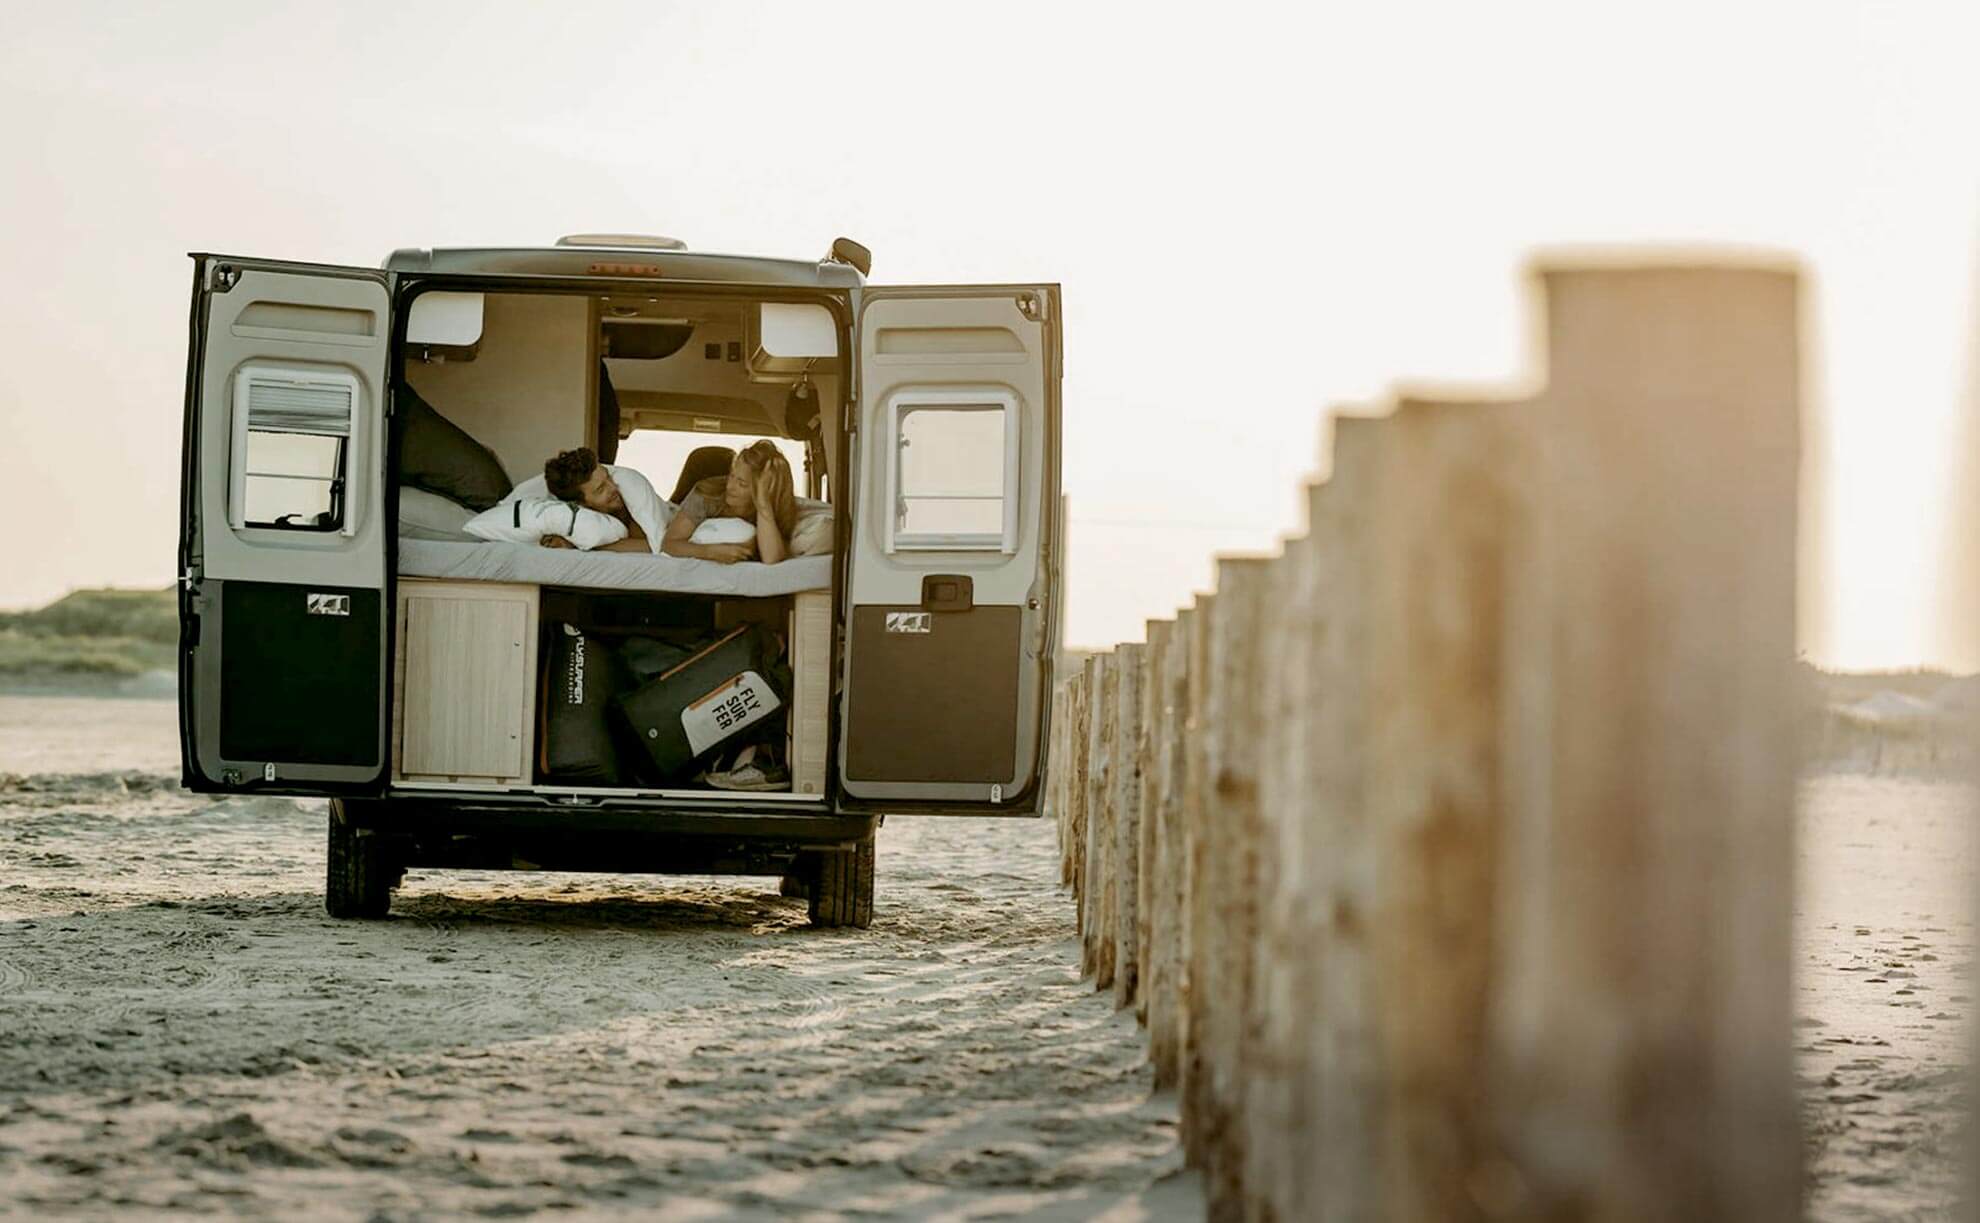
467	686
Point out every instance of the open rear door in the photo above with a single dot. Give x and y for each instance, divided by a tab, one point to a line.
283	676
951	606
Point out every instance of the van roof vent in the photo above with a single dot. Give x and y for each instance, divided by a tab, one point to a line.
648	242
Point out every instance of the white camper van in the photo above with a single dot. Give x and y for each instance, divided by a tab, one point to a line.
354	627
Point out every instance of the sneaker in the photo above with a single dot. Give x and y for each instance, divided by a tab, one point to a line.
752	776
752	771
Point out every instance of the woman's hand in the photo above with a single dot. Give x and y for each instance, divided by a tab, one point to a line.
556	541
727	554
770	484
773	488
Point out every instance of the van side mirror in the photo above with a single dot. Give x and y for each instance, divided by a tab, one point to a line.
845	250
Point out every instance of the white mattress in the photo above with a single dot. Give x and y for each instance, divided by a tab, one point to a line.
505	562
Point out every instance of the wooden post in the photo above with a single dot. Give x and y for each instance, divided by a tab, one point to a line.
1125	789
1059	762
1077	786
1095	814
1169	911
1098	937
1148	847
1192	1074
1645	1032
1279	1016
1441	531
1336	1093
1236	654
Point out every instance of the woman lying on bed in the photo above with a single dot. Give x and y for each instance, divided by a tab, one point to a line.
759	491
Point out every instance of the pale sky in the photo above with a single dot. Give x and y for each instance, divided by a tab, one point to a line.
1256	213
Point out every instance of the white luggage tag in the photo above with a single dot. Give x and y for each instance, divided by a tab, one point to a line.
736	703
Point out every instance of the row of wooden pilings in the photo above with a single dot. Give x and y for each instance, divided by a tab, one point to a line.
1446	855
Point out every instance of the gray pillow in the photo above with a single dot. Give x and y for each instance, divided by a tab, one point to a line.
812	536
437	455
424	515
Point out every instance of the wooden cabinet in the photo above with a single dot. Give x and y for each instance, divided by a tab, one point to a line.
464	682
811	687
465	685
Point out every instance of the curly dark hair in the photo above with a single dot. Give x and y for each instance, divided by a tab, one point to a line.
566	472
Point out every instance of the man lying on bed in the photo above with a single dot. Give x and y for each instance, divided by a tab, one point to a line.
756	500
577	476
758	492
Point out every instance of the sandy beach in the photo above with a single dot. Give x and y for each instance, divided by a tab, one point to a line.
1884	946
185	1030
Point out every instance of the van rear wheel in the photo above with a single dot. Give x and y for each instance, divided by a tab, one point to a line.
358	877
842	887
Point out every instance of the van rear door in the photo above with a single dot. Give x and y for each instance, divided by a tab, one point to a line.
283	680
951	606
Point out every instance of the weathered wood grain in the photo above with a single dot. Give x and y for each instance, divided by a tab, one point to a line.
1102	721
1125	792
1237	657
1169	913
1148	844
1645	1027
1192	1071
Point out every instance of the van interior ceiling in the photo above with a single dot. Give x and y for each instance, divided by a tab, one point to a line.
552	670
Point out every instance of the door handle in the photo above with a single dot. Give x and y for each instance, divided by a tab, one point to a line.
948	592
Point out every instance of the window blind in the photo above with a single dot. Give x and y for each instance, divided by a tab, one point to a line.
297	407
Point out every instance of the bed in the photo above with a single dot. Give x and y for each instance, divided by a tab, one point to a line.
504	562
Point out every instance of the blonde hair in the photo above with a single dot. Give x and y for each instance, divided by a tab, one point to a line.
756	456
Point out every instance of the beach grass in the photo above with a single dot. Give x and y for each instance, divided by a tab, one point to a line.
106	633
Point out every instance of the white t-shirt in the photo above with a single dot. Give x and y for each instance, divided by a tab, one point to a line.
648	508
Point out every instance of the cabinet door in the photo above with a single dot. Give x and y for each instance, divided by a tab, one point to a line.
467	687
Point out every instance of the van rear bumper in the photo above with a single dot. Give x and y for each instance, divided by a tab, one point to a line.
473	835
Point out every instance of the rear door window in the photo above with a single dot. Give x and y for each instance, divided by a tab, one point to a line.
955	472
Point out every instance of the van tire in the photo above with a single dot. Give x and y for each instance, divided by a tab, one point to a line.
842	888
358	879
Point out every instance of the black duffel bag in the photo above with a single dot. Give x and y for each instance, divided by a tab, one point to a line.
585	674
726	689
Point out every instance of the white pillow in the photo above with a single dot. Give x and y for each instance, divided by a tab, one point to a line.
424	515
812	536
526	520
646	506
724	531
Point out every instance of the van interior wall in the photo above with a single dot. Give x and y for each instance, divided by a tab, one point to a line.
532	387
